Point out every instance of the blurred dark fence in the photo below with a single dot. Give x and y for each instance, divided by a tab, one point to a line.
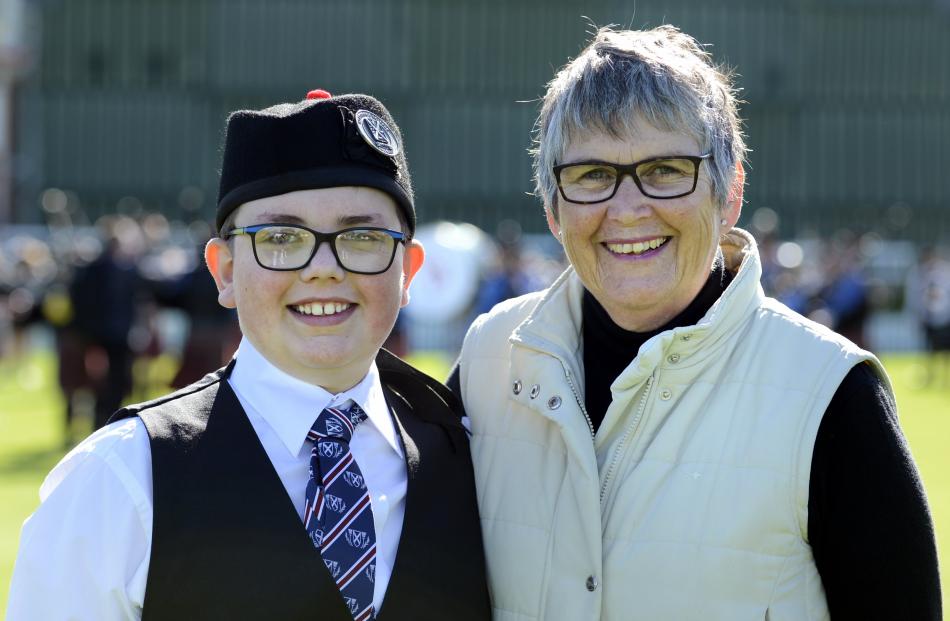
848	101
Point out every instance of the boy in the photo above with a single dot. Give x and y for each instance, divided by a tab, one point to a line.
190	506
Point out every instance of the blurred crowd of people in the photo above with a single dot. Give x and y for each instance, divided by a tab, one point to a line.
825	280
930	286
104	291
841	280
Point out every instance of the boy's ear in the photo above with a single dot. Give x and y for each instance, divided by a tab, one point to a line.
412	260
220	263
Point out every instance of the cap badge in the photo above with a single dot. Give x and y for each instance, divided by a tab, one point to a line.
377	133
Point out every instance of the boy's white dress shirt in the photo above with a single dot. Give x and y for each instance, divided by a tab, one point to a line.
84	553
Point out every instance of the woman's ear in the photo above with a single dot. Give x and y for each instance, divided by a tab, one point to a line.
553	225
220	263
734	202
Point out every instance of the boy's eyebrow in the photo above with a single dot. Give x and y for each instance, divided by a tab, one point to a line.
359	219
283	218
344	221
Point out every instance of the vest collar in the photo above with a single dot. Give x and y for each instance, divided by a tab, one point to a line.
554	326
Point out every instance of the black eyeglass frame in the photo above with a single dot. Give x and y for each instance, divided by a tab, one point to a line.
319	239
631	169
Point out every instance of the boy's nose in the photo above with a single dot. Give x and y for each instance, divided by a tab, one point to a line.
322	265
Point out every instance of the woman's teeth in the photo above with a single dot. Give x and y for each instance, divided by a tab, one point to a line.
637	247
329	308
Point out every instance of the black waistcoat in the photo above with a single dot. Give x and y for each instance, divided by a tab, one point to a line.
227	542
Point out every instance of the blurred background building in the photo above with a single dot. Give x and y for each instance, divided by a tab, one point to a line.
848	101
114	109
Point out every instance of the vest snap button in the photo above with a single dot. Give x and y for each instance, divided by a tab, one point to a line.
686	337
535	391
554	402
674	358
592	584
666	394
516	387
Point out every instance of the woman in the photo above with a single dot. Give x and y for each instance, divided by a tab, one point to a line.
653	437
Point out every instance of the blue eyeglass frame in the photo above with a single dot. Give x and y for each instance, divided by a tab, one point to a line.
319	239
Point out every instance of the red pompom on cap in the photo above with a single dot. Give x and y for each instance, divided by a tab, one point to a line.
319	93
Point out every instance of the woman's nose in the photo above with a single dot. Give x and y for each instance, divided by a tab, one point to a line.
629	200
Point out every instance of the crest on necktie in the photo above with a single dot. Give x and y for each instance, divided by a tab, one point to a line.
333	567
317	537
334	427
330	449
354	479
356	415
352	604
334	503
371	573
356	538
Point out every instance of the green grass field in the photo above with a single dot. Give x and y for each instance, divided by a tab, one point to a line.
32	441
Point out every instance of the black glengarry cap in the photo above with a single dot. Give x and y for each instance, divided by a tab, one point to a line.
321	142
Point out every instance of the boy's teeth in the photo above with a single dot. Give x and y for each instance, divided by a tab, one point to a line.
637	247
329	308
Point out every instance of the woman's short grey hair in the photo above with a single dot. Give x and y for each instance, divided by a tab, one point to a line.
663	75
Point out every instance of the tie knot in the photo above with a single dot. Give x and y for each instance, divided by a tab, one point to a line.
337	423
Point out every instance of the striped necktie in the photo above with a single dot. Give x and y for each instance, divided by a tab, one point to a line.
338	515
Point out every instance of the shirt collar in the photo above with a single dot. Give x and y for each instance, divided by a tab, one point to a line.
290	405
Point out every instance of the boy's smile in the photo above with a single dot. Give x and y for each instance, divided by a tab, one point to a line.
336	310
320	323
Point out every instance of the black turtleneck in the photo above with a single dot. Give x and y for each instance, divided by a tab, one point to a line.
608	348
866	501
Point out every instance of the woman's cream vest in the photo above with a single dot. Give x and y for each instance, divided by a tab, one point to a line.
691	500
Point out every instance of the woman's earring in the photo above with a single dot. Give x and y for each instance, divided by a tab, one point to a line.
722	222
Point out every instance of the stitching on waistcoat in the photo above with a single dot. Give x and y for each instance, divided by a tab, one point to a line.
681	543
513	523
806	424
496	437
778	578
542	609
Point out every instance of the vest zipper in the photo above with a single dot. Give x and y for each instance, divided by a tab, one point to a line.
570	382
623	441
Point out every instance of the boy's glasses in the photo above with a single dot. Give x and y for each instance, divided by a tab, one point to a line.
672	176
287	247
